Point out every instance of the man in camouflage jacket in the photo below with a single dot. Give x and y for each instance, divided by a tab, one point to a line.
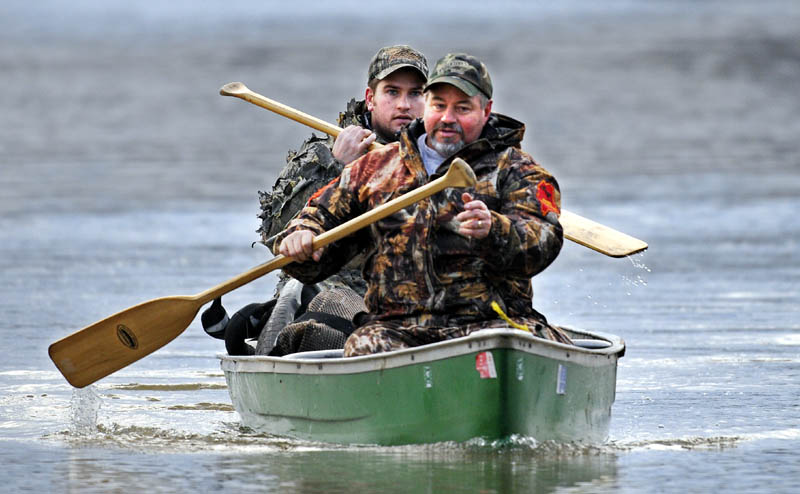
393	98
434	268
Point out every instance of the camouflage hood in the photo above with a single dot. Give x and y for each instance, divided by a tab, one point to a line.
356	114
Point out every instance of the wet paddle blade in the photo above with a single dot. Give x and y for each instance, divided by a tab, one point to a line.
599	237
121	339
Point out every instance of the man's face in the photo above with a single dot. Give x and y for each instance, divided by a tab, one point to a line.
453	119
396	101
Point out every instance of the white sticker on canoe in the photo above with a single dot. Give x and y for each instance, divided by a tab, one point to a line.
484	364
561	380
428	373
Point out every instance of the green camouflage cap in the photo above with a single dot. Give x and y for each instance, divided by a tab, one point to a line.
463	71
391	58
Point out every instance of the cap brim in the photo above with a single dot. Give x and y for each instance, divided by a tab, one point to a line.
389	70
467	87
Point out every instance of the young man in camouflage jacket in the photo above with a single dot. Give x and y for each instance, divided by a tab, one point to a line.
393	99
434	268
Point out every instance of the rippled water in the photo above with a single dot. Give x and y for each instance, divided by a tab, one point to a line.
125	177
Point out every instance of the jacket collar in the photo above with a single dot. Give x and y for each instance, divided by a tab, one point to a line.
500	132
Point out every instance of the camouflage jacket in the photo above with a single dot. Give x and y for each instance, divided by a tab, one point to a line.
306	171
418	265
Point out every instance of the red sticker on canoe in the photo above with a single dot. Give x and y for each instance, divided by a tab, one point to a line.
546	194
484	364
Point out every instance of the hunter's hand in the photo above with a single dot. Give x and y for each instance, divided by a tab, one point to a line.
352	143
299	245
476	219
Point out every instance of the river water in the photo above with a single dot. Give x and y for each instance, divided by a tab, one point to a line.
126	177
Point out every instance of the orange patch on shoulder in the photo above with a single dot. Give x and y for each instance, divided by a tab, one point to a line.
546	195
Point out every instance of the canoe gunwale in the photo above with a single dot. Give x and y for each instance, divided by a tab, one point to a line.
478	341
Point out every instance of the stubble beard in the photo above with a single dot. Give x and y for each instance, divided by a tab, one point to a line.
384	134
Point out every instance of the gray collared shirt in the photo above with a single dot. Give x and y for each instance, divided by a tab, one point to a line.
430	157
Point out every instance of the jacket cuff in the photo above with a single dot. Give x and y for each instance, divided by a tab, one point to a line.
497	239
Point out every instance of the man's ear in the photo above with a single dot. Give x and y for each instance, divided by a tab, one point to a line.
369	97
487	111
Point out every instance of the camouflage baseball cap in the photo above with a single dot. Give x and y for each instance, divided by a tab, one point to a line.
391	58
463	71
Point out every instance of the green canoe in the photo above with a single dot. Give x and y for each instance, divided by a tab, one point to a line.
491	384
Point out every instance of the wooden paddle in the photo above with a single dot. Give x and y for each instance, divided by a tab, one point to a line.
580	230
123	338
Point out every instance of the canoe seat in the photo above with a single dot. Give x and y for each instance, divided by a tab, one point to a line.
337	353
591	343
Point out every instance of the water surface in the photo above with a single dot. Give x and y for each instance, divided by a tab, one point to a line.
126	177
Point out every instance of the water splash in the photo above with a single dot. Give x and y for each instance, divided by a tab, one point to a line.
678	444
84	408
637	279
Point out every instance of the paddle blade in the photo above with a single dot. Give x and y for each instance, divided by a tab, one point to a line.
233	89
460	174
108	345
599	237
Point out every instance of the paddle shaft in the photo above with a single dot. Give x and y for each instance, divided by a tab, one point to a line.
459	175
578	229
117	341
239	90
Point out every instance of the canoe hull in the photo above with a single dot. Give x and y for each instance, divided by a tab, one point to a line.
492	384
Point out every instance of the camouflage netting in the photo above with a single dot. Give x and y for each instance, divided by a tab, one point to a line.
307	170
